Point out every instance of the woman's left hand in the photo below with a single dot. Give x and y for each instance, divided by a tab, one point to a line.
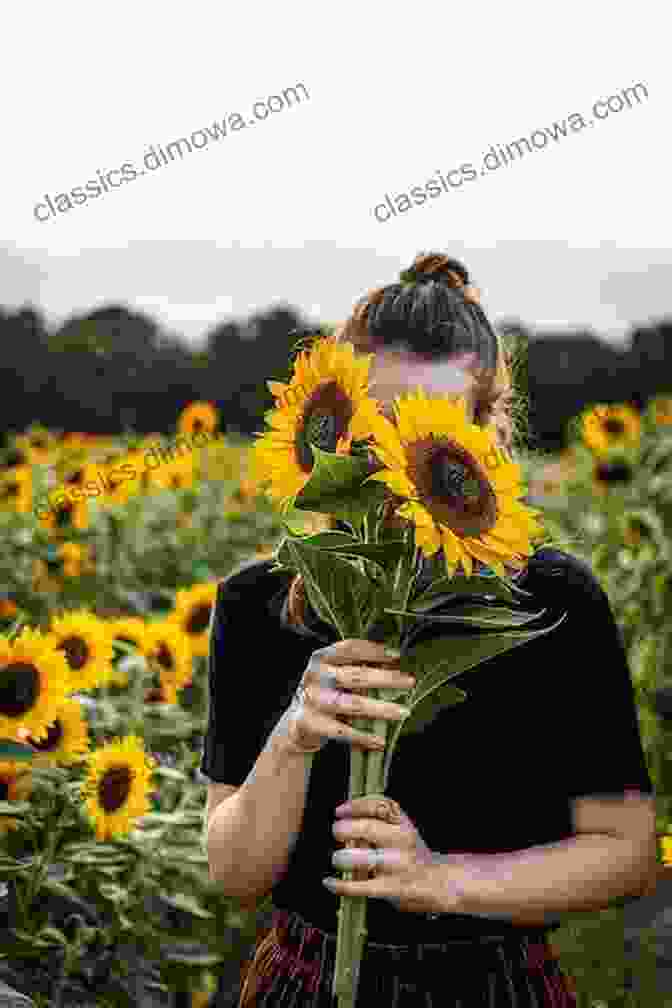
405	875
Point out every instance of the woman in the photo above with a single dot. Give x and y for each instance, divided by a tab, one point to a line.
492	775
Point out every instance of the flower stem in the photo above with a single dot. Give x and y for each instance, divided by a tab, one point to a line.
344	986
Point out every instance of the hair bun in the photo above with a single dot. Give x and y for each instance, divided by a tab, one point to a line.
442	273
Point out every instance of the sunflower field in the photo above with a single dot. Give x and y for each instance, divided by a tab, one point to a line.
112	550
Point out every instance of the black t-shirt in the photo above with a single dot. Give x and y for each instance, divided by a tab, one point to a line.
552	720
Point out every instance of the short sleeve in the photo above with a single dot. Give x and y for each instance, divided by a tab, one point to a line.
603	752
245	675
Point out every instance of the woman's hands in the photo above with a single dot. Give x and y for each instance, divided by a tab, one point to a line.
405	875
333	689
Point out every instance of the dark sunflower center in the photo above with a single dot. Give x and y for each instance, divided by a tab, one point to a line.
63	513
613	472
75	478
53	564
326	417
39	443
614	426
199	618
164	656
176	482
321	431
197	425
452	486
18	688
4	790
53	737
76	651
10	490
114	787
453	479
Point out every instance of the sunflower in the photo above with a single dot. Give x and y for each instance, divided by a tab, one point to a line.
74	441
87	645
666	849
610	473
16	489
67	738
607	427
225	461
65	560
169	650
192	612
121	480
326	404
74	473
8	609
76	559
34	682
65	514
39	444
197	417
459	490
15	785
129	630
14	457
176	473
662	411
116	789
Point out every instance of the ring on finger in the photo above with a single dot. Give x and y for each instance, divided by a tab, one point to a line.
328	679
376	858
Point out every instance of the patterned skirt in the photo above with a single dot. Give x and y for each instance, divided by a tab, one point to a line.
293	967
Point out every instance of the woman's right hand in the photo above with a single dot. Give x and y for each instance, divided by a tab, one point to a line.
319	713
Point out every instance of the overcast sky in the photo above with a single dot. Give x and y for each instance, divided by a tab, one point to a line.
297	206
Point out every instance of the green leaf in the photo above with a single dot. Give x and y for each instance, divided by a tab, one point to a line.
329	539
53	935
338	591
11	750
333	476
437	661
386	553
93	857
448	587
431	706
336	487
18	808
170	773
195	959
182	902
112	892
484	617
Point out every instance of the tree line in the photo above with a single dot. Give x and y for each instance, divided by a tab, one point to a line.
114	369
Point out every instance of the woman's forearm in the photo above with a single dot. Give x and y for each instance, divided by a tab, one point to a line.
251	834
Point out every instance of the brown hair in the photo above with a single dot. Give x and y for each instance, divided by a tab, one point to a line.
436	310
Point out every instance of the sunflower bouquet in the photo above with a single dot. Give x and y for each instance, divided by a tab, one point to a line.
416	501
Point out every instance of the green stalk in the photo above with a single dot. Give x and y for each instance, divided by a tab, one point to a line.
345	982
366	778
